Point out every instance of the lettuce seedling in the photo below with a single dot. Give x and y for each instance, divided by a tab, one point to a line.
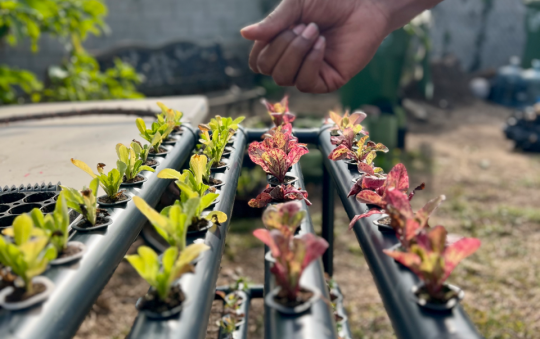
156	134
223	125
30	254
284	217
190	181
349	121
292	256
161	274
279	111
227	324
432	260
109	182
55	225
274	160
134	166
140	151
278	193
168	114
173	222
214	145
83	202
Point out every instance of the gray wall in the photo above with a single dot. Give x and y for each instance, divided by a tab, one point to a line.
151	22
481	34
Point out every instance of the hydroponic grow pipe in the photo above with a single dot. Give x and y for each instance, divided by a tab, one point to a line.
199	287
318	321
78	285
253	292
393	281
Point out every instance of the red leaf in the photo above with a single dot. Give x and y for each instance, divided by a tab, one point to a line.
365	215
398	178
339	153
372	183
276	161
400	202
425	212
363	167
315	247
370	197
357	187
458	251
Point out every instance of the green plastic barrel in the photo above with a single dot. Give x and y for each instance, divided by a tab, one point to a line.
532	26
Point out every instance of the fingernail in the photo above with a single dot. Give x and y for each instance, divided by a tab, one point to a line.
310	31
320	43
299	29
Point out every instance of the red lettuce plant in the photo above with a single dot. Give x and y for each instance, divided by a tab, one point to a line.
279	111
279	193
284	217
433	261
274	160
349	121
280	137
292	256
397	179
404	221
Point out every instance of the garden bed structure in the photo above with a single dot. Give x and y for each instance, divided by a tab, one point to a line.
78	285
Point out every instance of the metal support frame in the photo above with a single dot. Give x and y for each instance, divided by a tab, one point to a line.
199	287
78	285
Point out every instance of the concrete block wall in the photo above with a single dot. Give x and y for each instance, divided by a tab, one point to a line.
152	23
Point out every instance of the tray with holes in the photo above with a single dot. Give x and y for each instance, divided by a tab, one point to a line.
15	201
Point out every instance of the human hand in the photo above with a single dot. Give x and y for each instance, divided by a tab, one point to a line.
319	45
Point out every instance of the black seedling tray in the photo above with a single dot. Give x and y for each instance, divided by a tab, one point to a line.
15	201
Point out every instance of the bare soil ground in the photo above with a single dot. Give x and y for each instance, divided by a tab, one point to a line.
491	193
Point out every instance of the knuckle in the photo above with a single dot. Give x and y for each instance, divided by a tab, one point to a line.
281	80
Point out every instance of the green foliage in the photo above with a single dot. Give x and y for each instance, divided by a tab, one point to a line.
13	79
83	202
161	274
109	182
29	255
133	165
156	134
80	79
59	18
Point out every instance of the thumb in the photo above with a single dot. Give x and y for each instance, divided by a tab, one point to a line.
284	16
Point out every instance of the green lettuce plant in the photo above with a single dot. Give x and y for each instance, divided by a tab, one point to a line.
214	145
55	225
168	114
83	202
109	182
140	151
161	274
30	253
173	221
223	125
156	134
134	166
